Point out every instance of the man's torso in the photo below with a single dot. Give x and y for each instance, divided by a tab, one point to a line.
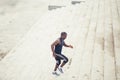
58	47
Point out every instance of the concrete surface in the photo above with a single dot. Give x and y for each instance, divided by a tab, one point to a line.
93	28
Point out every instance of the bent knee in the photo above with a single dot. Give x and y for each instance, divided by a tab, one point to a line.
65	60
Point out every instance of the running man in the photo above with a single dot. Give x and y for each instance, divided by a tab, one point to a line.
57	49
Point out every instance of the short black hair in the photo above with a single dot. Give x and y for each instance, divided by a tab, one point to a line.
63	33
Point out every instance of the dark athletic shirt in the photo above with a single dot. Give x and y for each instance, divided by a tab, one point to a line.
58	47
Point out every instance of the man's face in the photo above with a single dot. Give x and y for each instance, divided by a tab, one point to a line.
64	36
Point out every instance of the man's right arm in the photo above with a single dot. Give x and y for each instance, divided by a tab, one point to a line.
53	46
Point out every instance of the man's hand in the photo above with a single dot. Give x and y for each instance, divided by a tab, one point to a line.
70	46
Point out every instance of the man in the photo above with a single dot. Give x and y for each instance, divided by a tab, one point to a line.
57	49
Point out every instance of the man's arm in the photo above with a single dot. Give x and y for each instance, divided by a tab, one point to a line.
66	45
53	45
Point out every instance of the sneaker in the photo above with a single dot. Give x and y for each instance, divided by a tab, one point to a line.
55	73
60	69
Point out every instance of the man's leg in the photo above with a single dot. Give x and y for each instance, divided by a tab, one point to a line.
58	62
62	64
65	61
56	66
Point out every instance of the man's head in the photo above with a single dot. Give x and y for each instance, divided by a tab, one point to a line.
63	35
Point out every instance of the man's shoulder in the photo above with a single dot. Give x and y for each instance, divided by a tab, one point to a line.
58	40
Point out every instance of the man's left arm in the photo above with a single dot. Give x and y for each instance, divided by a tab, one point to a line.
66	45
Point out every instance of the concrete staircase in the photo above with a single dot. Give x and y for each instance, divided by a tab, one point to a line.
93	28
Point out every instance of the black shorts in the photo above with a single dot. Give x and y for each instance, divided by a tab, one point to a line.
60	57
